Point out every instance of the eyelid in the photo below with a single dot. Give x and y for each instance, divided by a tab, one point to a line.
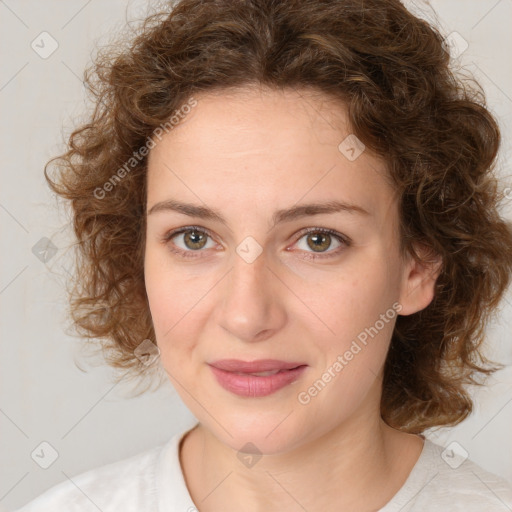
341	237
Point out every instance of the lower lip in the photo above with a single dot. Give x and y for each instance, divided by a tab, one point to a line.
254	386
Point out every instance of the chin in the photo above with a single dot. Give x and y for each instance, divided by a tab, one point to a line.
265	430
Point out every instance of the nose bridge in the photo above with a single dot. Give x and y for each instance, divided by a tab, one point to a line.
249	283
249	270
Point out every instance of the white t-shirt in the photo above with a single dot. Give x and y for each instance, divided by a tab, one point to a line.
152	481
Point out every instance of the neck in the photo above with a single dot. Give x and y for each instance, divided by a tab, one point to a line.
359	465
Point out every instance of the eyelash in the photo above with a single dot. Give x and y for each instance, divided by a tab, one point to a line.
190	254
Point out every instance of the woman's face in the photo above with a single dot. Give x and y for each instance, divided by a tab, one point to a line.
250	284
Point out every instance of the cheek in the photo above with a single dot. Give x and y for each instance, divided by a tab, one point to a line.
173	303
359	311
345	304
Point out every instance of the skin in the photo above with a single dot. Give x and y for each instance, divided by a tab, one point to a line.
247	153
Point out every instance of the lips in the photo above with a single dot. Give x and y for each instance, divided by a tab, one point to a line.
256	378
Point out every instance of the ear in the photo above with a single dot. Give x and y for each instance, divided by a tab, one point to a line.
419	279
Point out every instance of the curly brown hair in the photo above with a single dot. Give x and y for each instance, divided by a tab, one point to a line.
392	70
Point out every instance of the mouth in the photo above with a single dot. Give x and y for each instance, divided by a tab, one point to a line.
259	366
261	374
256	378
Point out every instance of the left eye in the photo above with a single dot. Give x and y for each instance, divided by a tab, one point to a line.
318	240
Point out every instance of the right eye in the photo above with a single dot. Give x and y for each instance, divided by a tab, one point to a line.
193	239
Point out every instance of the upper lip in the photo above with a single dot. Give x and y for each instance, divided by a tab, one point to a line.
261	365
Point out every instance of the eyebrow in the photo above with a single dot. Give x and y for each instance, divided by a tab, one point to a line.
279	216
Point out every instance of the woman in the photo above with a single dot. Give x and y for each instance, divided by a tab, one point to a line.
295	202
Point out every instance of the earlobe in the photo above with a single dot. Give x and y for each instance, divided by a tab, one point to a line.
419	279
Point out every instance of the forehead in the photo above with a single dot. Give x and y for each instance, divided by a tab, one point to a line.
277	147
258	118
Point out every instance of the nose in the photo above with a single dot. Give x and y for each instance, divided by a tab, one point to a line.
251	307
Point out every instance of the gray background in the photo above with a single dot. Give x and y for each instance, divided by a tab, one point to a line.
44	396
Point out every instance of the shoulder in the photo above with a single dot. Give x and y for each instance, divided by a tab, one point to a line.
457	483
130	481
